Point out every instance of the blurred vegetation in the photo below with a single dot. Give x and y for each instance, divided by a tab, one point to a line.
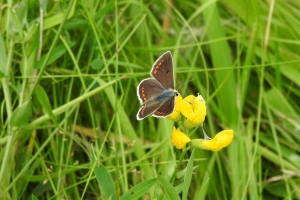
69	72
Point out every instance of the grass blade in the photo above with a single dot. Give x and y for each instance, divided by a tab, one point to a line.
169	191
139	190
106	182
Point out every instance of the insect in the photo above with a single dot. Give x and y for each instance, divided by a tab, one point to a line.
157	94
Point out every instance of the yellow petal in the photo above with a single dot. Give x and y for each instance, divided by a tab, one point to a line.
179	139
194	109
176	113
221	140
186	107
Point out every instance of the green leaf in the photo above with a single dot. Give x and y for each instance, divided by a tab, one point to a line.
108	7
280	103
34	197
288	154
188	176
21	115
279	190
3	56
291	72
56	19
44	101
19	19
139	190
97	64
56	53
168	189
21	13
106	182
2	75
221	58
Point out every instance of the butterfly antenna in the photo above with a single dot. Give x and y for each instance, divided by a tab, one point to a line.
184	83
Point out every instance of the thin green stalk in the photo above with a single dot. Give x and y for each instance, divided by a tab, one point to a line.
184	150
53	44
10	135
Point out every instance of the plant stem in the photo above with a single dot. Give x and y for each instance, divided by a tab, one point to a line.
184	150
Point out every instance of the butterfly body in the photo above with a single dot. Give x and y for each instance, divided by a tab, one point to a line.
157	94
162	97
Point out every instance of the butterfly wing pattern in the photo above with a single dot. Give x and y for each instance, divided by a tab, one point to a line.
166	108
162	71
157	94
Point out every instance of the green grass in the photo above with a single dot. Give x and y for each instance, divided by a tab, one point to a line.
68	99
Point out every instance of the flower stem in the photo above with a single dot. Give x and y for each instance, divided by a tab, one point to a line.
205	136
184	150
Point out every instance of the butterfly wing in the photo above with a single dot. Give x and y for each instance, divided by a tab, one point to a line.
149	88
166	108
147	110
162	70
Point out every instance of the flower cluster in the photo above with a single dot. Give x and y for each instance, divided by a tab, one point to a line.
193	110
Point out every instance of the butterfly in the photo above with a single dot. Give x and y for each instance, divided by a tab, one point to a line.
157	94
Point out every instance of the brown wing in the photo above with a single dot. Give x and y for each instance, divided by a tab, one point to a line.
147	110
162	70
165	109
149	88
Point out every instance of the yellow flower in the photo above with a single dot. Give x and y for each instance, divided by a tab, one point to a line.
176	113
221	140
179	139
194	109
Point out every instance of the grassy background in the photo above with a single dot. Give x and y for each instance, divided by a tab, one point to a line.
69	71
